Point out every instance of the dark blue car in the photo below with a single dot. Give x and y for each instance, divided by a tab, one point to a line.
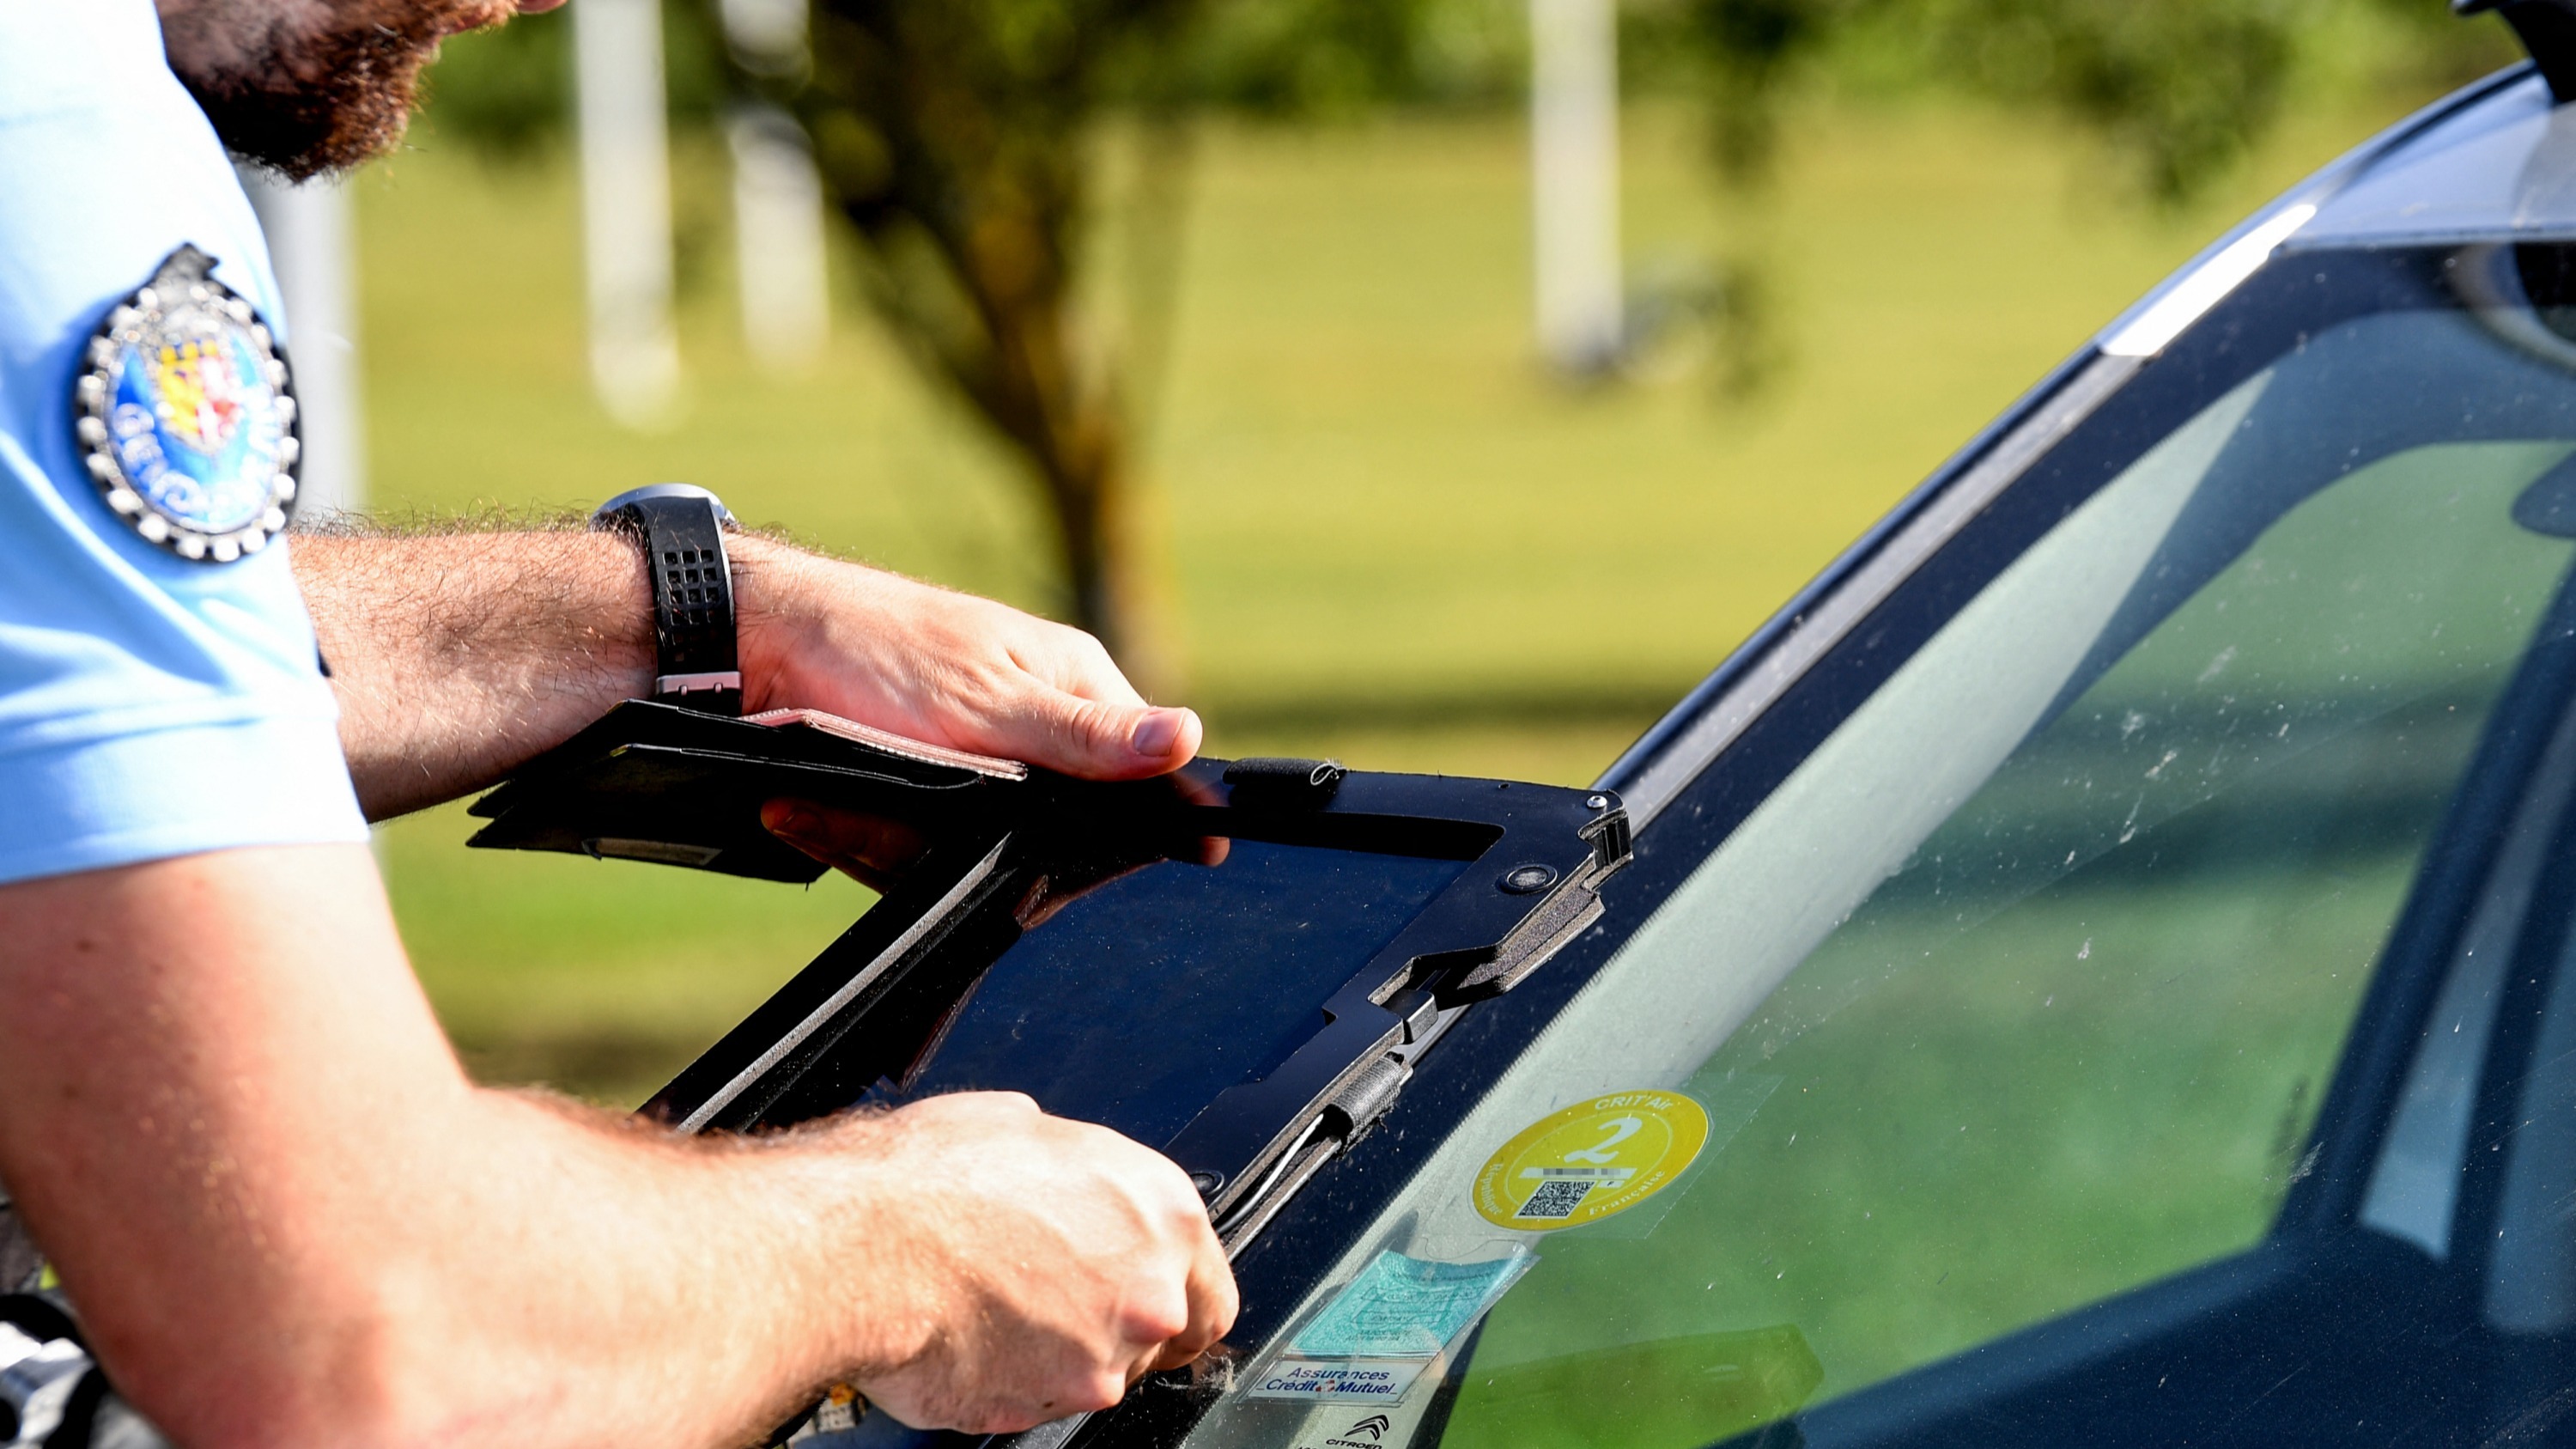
2094	970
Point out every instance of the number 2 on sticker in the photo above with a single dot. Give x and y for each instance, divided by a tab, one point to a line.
1605	1152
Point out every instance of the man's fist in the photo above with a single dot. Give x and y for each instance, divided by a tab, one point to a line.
1039	1266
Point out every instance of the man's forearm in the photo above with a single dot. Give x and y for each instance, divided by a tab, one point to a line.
302	1226
458	657
289	1220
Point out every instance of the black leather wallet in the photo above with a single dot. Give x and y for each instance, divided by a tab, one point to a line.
674	785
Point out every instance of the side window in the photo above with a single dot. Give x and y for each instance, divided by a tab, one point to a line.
2074	1042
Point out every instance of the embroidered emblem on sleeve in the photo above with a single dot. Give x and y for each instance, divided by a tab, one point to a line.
185	415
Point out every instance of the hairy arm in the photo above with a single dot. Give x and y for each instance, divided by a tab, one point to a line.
458	657
290	1220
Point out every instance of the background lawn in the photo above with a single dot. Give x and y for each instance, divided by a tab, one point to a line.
1383	533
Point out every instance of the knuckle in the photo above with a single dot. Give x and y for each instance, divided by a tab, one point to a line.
1058	634
996	1104
1091	723
1161	1316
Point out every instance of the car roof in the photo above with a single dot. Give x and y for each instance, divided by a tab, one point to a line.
2495	161
2492	161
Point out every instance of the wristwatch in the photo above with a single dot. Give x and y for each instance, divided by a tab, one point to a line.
682	529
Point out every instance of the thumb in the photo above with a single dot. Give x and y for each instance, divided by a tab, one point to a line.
1103	741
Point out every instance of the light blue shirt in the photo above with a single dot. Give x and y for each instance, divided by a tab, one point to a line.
150	706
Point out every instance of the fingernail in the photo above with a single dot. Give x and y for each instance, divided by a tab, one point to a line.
795	822
1157	733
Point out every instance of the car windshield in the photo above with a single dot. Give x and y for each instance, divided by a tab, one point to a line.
2101	914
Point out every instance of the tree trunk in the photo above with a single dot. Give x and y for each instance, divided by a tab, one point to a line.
960	154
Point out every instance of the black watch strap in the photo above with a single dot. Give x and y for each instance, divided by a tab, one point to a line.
682	531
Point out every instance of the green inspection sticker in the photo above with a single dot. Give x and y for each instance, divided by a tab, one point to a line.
1400	1307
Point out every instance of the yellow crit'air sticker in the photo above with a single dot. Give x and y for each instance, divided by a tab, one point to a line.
1592	1160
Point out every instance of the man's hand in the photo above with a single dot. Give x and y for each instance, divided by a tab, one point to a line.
457	658
290	1221
1058	1263
945	667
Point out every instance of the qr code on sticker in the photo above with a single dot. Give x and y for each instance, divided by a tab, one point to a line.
1555	1198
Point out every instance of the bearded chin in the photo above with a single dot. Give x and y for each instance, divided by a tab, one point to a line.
365	78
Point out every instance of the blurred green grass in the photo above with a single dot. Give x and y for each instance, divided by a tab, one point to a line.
1384	533
601	977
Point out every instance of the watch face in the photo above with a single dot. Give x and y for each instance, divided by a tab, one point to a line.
651	491
186	416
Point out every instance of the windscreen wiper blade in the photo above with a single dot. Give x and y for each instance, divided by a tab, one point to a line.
1256	1144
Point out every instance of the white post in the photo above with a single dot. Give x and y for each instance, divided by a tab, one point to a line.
626	208
778	239
1574	165
309	244
777	195
766	35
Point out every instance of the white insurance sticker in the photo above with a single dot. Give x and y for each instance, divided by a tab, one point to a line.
1338	1381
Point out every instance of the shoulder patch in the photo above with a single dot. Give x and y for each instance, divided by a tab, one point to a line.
185	416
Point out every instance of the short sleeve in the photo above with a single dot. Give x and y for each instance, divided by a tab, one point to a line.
150	705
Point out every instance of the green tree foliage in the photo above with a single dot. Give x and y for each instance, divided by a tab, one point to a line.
958	139
2178	86
955	135
1308	59
507	92
2178	89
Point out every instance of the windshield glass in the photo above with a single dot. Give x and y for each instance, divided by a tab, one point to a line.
2024	989
1191	975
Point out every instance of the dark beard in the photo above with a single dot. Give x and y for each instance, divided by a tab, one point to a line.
364	76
